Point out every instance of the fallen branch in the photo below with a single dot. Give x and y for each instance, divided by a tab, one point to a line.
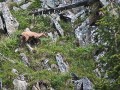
66	7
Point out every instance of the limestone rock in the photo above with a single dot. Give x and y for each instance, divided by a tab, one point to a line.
24	59
83	84
45	64
14	71
18	1
54	36
104	2
63	67
1	24
41	85
16	8
58	27
50	3
20	83
25	6
11	23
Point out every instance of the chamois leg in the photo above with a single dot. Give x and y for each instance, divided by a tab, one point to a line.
30	48
22	41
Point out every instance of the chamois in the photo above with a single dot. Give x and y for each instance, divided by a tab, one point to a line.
30	37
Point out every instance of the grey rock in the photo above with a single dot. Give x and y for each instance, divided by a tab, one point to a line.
41	85
24	59
74	1
104	2
25	6
46	65
18	1
97	72
20	83
16	8
48	3
57	26
10	22
85	33
117	1
97	57
14	71
63	67
73	17
83	84
1	24
54	36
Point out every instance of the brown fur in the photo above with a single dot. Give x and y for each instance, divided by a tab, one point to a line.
28	36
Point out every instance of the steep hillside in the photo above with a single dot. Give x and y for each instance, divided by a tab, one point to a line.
80	59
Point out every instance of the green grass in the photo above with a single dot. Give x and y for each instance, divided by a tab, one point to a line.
80	59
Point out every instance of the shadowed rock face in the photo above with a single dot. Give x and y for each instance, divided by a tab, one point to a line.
1	21
83	84
1	24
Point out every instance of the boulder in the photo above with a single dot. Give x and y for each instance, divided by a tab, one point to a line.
25	6
24	59
53	36
104	2
1	24
42	85
10	22
20	83
14	71
16	8
8	1
18	1
83	84
45	64
63	67
0	84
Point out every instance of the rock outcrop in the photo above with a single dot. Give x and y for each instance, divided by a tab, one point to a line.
20	83
63	67
7	22
25	6
1	24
